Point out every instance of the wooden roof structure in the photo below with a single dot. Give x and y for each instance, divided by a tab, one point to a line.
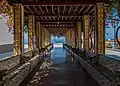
59	13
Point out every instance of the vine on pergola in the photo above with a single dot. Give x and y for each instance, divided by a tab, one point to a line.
6	12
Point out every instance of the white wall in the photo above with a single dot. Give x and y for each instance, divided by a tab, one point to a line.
5	36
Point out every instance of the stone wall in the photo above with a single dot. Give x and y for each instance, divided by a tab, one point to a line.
9	62
6	48
109	63
17	76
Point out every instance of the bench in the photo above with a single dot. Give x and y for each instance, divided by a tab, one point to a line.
113	75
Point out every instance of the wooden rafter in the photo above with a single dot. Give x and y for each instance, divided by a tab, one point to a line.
41	9
46	9
30	9
64	9
82	8
46	19
35	9
58	10
91	11
88	8
69	22
42	18
69	9
76	9
53	10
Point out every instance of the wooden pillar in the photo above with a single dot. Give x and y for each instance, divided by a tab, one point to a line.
40	36
66	37
43	38
37	34
72	38
49	37
18	29
100	28
31	32
79	36
86	32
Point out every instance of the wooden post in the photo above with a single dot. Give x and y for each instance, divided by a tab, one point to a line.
86	32
100	28
40	36
37	34
43	38
18	29
79	35
31	33
72	37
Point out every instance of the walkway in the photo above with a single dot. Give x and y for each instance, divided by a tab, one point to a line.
62	73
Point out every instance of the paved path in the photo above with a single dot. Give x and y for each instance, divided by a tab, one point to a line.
62	73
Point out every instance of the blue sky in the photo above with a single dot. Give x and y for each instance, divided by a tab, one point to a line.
110	28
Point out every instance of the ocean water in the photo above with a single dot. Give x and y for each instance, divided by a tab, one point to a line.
58	54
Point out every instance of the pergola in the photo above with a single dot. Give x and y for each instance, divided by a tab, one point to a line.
61	17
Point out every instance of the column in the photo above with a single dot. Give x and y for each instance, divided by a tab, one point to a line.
43	38
86	32
31	32
79	34
72	38
66	37
18	29
40	36
100	28
37	34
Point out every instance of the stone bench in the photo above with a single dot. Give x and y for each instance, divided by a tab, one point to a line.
107	66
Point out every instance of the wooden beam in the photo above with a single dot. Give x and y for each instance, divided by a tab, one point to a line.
60	16
35	10
58	10
30	9
56	3
46	19
41	9
69	9
64	9
88	8
56	22
53	10
82	8
26	11
91	11
46	9
42	18
76	9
